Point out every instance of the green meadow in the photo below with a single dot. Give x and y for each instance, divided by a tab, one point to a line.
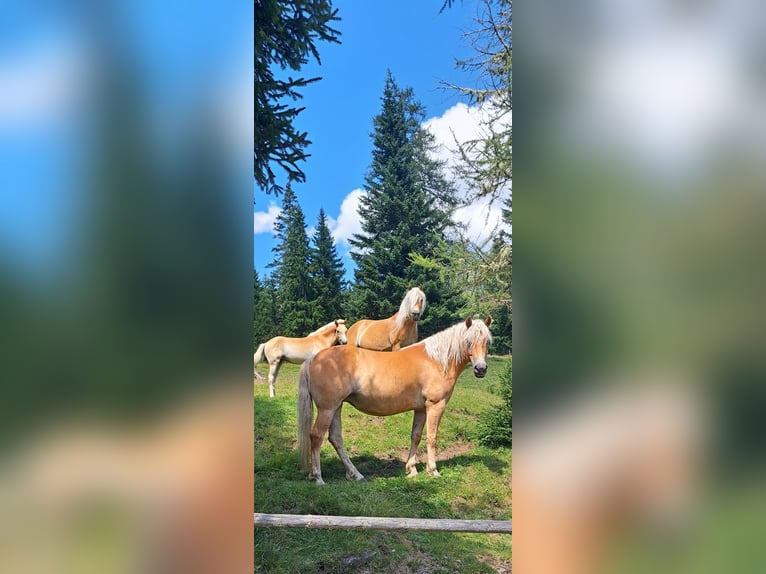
475	484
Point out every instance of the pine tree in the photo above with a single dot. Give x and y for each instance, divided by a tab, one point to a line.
286	34
406	210
291	269
273	324
502	256
496	425
264	310
326	274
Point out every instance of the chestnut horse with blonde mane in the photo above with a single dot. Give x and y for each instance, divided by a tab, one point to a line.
419	378
297	350
399	330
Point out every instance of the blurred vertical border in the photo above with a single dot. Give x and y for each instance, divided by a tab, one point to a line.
126	134
640	355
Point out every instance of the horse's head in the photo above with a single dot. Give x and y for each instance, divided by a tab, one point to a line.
415	301
478	343
340	331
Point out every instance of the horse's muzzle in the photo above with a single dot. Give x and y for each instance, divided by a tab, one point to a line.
416	316
479	371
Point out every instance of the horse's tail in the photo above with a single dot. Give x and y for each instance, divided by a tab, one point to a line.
305	415
259	354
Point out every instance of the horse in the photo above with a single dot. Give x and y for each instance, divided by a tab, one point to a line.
399	330
297	350
418	378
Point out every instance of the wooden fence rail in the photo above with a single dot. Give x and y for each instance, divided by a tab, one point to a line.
380	523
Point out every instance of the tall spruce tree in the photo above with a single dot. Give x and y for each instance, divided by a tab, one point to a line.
273	326
326	274
265	324
291	269
406	210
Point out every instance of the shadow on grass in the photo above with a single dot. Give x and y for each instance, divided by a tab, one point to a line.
493	463
378	467
389	467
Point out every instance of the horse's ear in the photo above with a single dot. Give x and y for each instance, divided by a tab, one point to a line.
336	322
420	286
409	287
468	322
488	320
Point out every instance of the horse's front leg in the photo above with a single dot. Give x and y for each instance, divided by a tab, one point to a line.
273	372
434	414
418	420
336	440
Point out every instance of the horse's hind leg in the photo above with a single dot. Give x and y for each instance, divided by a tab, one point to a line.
336	440
273	372
323	420
418	420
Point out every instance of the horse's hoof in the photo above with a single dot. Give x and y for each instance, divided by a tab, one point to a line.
435	474
412	474
360	478
319	481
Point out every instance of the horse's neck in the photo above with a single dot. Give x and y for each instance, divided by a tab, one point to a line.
326	339
396	324
456	368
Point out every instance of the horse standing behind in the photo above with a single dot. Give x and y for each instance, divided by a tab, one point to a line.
297	350
420	378
399	330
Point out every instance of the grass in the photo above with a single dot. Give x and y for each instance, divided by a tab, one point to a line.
475	484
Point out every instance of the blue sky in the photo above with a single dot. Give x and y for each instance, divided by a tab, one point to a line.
49	61
50	52
419	45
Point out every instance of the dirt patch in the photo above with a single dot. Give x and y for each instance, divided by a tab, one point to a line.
446	453
498	565
415	562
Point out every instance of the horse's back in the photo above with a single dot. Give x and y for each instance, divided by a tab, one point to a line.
370	334
291	349
354	332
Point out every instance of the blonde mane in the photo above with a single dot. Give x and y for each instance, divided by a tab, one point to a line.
451	345
405	309
325	327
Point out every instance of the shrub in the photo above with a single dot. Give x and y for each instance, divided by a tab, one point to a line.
496	427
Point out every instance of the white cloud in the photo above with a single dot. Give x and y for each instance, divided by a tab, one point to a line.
263	221
481	220
464	123
659	104
236	104
348	222
44	84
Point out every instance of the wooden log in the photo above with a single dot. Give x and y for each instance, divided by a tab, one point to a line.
380	523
